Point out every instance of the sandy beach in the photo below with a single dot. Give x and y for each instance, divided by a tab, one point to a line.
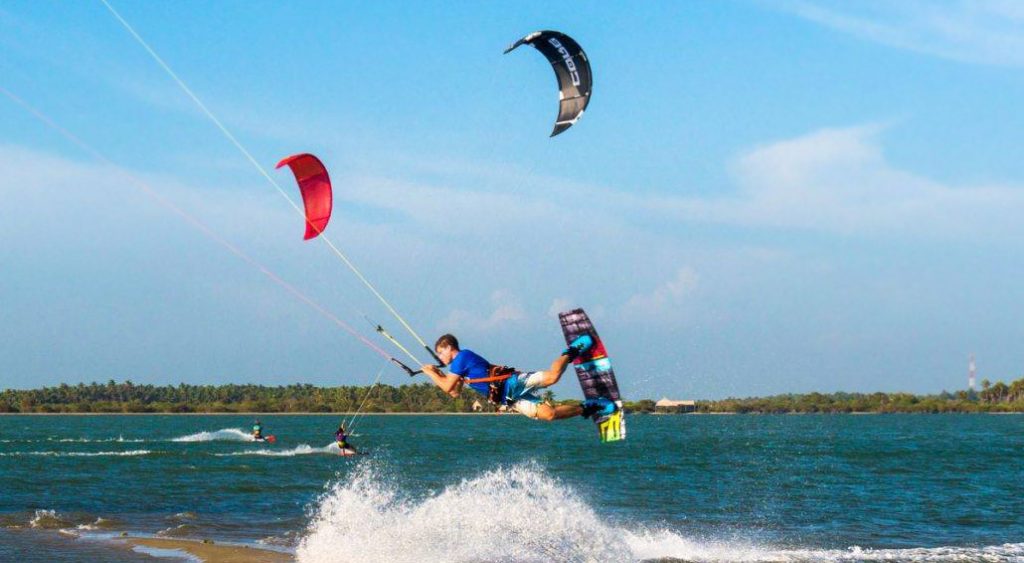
212	552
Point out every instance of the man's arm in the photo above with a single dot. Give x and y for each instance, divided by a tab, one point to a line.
450	384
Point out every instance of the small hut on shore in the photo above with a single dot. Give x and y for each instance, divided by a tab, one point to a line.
666	405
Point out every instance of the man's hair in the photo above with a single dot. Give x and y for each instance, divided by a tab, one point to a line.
447	340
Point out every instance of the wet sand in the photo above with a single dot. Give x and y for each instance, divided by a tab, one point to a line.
213	552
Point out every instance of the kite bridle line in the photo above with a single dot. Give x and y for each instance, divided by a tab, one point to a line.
352	421
209	114
383	332
380	330
199	225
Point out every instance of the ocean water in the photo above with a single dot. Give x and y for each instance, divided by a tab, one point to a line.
483	488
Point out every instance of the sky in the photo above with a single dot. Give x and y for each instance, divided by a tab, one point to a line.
762	197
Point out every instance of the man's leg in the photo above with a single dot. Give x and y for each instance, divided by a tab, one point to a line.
546	412
554	373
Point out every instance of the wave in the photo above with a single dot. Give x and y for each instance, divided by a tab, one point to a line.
78	454
522	514
667	545
100	524
301	449
222	435
119	439
49	519
182	516
179	531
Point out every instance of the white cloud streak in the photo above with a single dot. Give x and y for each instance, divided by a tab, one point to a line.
517	257
506	309
989	32
835	180
665	301
838	181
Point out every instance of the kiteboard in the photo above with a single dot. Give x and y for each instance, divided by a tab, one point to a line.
594	370
268	439
345	452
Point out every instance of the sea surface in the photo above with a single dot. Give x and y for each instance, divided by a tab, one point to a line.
505	488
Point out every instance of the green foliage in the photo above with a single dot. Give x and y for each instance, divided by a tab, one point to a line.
997	397
641	406
127	397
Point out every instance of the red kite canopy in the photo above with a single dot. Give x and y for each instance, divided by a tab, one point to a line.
315	185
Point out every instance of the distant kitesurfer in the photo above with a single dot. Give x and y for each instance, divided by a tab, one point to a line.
341	436
257	430
505	386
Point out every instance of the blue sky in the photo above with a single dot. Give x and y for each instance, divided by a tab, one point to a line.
763	197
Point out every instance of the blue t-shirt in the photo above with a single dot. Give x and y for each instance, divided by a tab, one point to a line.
470	365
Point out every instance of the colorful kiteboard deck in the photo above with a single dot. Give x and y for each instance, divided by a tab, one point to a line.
594	371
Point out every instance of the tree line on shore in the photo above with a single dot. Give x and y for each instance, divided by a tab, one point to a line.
127	397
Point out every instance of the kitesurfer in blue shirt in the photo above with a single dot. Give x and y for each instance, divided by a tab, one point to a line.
508	387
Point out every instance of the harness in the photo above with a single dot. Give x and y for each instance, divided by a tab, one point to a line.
495	380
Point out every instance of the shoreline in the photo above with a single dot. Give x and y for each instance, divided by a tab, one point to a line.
330	414
208	551
256	413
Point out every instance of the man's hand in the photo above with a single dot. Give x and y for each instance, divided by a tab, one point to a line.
450	384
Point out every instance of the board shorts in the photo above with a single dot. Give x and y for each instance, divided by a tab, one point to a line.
519	392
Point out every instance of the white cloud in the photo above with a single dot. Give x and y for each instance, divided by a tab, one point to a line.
839	181
557	306
833	180
506	308
401	233
979	31
666	300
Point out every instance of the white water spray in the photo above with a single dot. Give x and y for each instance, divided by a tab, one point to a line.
222	435
522	514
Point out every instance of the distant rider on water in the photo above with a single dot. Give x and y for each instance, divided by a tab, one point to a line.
341	436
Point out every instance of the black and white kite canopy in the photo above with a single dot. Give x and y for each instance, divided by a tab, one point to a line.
572	69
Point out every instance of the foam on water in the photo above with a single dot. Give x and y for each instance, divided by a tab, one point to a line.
48	519
119	439
181	530
647	546
99	524
301	449
508	514
161	553
182	516
222	435
520	513
78	454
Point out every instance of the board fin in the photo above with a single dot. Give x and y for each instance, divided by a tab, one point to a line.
612	427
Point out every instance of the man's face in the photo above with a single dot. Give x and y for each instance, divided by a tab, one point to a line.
445	353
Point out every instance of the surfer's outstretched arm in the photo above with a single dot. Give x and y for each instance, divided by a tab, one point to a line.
450	384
